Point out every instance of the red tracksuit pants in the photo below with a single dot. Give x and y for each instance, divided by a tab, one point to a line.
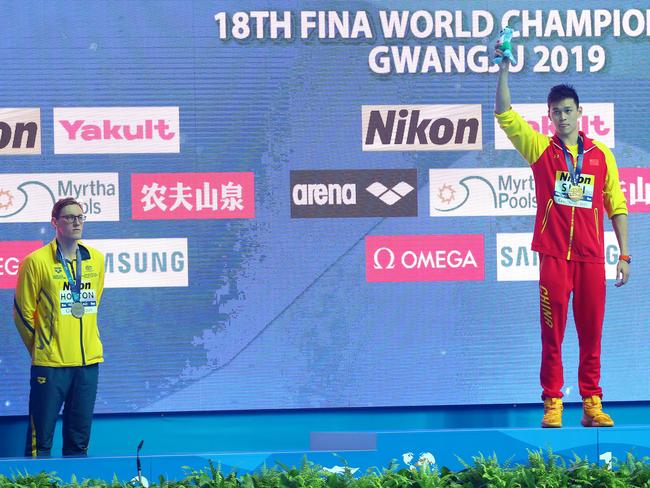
558	278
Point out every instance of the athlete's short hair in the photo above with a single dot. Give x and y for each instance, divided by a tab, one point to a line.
561	92
56	210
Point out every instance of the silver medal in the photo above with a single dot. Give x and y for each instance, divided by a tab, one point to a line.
77	310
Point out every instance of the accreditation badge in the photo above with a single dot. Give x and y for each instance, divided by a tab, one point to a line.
86	305
571	194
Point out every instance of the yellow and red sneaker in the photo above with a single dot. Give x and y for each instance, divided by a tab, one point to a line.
593	415
552	413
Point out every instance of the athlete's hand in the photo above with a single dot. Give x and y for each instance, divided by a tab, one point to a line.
622	273
505	62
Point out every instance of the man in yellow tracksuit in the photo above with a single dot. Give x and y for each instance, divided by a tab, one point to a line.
576	183
55	310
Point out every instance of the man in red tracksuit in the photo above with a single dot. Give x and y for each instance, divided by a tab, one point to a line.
576	181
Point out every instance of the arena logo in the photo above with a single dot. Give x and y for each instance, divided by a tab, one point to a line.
390	196
635	183
20	131
29	197
354	193
597	122
481	192
117	130
167	196
12	254
516	261
421	127
144	263
425	258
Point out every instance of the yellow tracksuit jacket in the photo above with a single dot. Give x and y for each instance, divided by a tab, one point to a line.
42	308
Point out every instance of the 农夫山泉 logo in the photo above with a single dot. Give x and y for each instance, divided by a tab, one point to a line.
425	258
167	196
635	183
116	130
20	131
516	261
481	192
421	127
11	255
144	263
597	122
354	193
29	197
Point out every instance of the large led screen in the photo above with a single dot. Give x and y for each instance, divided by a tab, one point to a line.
309	204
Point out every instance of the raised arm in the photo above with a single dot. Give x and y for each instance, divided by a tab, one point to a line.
502	99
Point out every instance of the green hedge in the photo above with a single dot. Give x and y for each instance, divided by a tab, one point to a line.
542	471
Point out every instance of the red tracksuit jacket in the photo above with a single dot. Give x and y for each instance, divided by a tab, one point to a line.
567	232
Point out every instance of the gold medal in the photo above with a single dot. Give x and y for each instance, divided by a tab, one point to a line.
575	192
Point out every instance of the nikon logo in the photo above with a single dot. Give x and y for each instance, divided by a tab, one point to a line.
20	131
421	127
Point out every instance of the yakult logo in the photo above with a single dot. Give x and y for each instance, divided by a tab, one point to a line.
20	131
425	258
635	183
421	127
165	196
481	192
106	130
11	255
597	122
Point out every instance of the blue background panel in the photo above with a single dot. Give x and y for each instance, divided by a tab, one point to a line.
278	313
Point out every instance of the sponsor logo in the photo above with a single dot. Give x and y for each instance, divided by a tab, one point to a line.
425	258
144	263
105	130
635	183
481	192
41	380
165	196
20	131
11	255
354	193
390	196
517	262
29	197
421	127
597	122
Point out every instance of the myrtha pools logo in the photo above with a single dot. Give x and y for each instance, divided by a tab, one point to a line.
481	192
23	197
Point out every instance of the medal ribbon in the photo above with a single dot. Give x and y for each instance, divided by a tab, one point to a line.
75	287
575	174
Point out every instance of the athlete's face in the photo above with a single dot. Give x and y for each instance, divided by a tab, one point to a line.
565	115
70	222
